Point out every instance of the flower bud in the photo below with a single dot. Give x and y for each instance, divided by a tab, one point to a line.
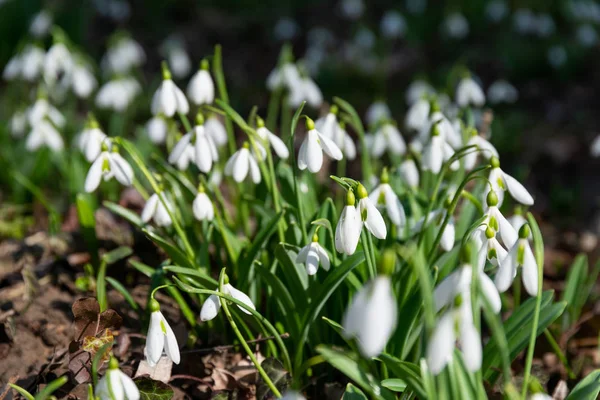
113	363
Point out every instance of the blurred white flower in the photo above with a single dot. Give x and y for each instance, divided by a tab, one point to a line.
468	92
41	24
392	25
168	98
116	385
156	210
286	29
305	89
183	153
215	129
312	255
90	140
418	90
108	165
202	206
456	26
485	150
595	147
242	162
58	65
502	91
118	93
84	81
41	110
557	56
13	68
524	21
545	25
520	255
418	115
179	61
377	111
157	129
387	137
384	196
502	182
496	10
587	35
352	9
124	55
44	134
18	123
212	305
276	143
287	76
311	151
201	89
410	173
160	336
291	395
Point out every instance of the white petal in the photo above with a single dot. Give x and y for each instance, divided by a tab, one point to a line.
202	207
115	384
378	145
448	237
183	106
517	191
278	145
314	153
471	346
131	390
339	247
487	149
179	148
167	100
150	208
241	165
171	346
302	254
312	261
155	339
229	166
330	148
210	308
374	223
410	173
241	296
254	169
453	284
349	147
433	155
490	292
302	162
323	256
530	272
441	344
394	207
507	270
121	169
350	230
394	139
203	153
508	234
214	127
92	180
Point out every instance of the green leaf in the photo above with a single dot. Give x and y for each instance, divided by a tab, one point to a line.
295	274
21	391
277	374
284	299
124	213
574	284
588	388
141	267
117	254
353	393
87	223
408	372
353	370
259	242
174	253
204	279
394	384
324	222
121	289
153	390
51	388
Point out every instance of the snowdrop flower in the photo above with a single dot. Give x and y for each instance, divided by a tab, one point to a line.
183	153
242	162
168	98
118	93
12	68
292	395
115	385
157	129
328	123
43	133
436	151
124	55
468	92
305	89
160	336
387	137
311	255
91	139
179	60
373	313
58	64
287	76
212	305
311	151
384	197
216	130
490	249
437	217
276	143
418	115
108	165
484	148
587	35
156	210
41	24
410	173
42	110
204	150
202	207
352	9
496	10
201	89
444	127
520	255
392	25
18	124
557	56
31	62
84	81
349	226
369	214
517	220
286	29
496	221
377	112
502	91
540	396
501	182
344	141
456	26
418	90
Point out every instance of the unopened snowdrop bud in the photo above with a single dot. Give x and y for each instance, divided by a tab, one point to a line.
311	151
116	385
388	137
501	182
433	155
265	134
369	213
349	226
201	89
468	92
202	206
160	337
410	173
212	305
242	162
90	140
372	315
157	129
156	210
108	165
520	255
485	148
384	196
168	98
206	152
313	254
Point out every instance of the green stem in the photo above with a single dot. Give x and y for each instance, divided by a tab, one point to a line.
275	194
243	342
499	336
558	351
469	196
101	286
368	254
286	114
296	172
185	121
222	88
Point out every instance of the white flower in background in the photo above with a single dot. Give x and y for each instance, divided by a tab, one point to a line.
91	139
344	141
216	130
12	68
587	35
384	197
418	115
557	56
311	255
496	10
484	149
206	150
202	207
437	217
502	182
168	98
160	336
42	110
108	165
201	89
524	21
456	26
352	9
276	143
418	90
520	255
372	316
287	76
349	226
392	25
183	153
84	81
156	210
18	123
517	220
58	65
410	173
433	154
41	24
311	151
292	395
29	64
118	93
387	137
327	124
180	62
212	305
540	396
286	29
595	147
305	89
377	111
502	91
496	221
468	92
444	127
242	162
124	55
116	385
545	25
44	134
157	129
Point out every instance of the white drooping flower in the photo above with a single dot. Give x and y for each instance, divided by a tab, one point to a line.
244	161
368	215
387	137
160	337
330	127
410	173
376	112
392	25
384	197
311	151
215	128
179	60
455	26
29	64
42	110
418	115
287	76
418	90
469	93
13	67
204	149
501	182
18	123
433	154
157	129
84	81
445	128
520	255
311	255
41	24
44	134
115	385
91	139
212	305
156	210
484	148
124	55
372	316
118	93
58	65
108	165
201	89
495	220
276	143
502	91
168	98
202	206
490	249
305	90
349	226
